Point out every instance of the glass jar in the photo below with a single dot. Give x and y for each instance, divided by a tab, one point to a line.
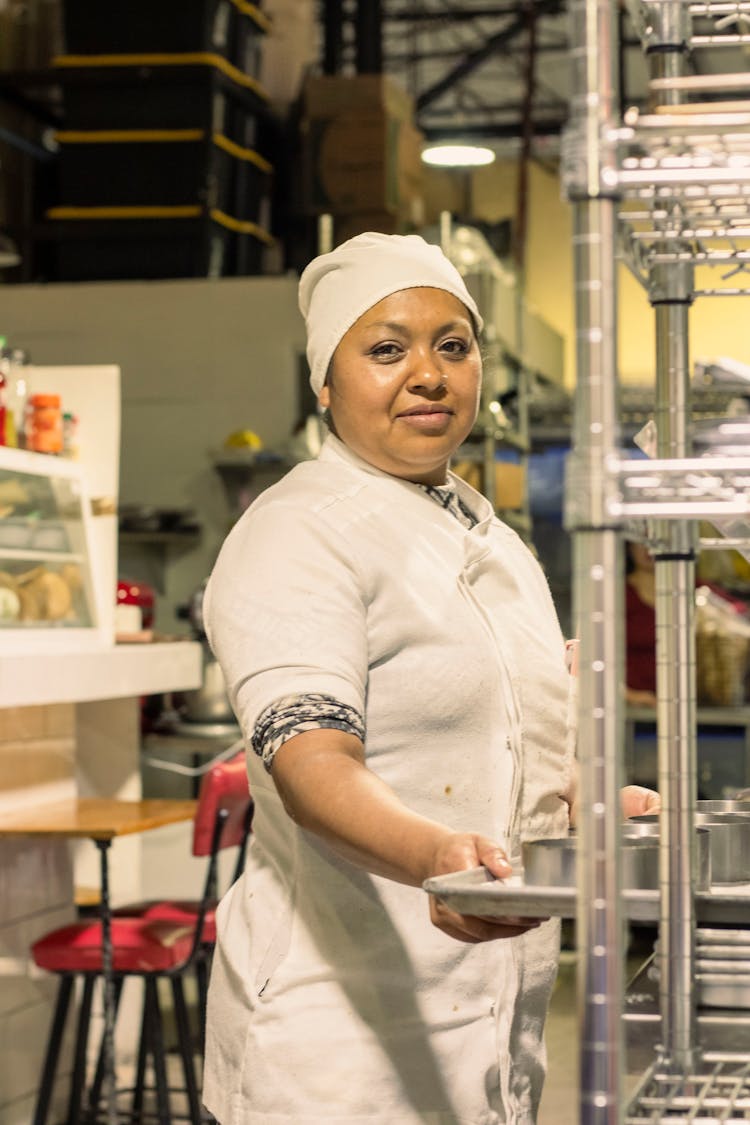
44	425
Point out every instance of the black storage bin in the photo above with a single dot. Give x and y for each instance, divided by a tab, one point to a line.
165	168
122	249
178	95
233	29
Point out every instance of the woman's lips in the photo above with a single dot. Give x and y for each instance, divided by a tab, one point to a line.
427	419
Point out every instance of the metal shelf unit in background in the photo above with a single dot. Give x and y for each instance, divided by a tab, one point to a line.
671	190
510	364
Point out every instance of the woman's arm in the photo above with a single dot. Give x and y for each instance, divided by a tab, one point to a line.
327	789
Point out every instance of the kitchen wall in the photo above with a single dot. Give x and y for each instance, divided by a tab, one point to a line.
198	360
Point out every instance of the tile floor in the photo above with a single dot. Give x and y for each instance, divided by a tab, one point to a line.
560	1098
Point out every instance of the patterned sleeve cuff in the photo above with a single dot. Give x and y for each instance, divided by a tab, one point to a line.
294	714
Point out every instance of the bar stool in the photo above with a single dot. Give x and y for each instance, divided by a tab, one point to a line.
160	939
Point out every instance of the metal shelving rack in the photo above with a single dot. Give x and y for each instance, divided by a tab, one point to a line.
671	189
486	279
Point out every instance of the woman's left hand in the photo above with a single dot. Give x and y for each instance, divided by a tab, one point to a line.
636	800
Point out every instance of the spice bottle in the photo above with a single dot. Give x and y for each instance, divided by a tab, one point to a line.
44	429
69	430
14	366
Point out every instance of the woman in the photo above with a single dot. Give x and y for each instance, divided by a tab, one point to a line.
393	656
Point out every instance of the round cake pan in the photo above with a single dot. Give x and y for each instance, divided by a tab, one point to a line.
552	863
730	845
647	827
733	806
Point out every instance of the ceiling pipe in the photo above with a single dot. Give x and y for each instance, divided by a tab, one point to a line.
475	58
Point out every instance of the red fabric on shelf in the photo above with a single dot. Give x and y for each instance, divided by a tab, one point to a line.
640	642
139	945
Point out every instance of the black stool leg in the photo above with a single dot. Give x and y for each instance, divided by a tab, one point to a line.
78	1080
95	1093
140	1074
53	1049
185	1042
201	976
156	1039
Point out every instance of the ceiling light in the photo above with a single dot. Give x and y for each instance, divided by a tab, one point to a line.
457	155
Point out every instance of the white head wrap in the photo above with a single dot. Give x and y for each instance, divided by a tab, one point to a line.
337	288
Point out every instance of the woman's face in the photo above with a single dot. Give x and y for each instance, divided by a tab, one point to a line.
403	389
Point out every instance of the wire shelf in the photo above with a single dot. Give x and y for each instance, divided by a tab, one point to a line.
717	1089
736	8
690	488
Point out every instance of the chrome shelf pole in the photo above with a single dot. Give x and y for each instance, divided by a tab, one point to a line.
589	166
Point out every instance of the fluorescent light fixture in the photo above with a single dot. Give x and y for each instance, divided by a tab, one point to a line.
457	155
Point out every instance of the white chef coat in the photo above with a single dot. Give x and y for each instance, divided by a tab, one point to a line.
332	997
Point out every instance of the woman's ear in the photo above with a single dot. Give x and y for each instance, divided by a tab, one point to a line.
324	398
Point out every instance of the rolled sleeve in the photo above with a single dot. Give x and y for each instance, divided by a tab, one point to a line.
298	713
285	613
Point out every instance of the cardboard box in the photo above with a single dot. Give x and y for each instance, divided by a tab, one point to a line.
361	161
347	226
510	481
330	95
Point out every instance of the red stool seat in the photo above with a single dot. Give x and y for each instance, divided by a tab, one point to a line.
139	945
184	912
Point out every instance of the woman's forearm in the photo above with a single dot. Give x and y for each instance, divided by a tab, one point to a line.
327	789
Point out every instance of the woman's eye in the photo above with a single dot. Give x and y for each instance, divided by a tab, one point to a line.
385	351
455	347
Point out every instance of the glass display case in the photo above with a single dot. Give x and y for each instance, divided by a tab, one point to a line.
49	595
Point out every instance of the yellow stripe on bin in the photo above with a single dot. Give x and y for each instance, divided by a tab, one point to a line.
242	226
184	58
241	153
176	212
126	136
258	17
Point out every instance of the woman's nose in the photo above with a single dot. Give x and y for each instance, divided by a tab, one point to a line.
426	372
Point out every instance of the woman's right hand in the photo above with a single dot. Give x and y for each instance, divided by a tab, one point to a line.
461	852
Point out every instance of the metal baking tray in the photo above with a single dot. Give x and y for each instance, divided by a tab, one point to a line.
477	892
